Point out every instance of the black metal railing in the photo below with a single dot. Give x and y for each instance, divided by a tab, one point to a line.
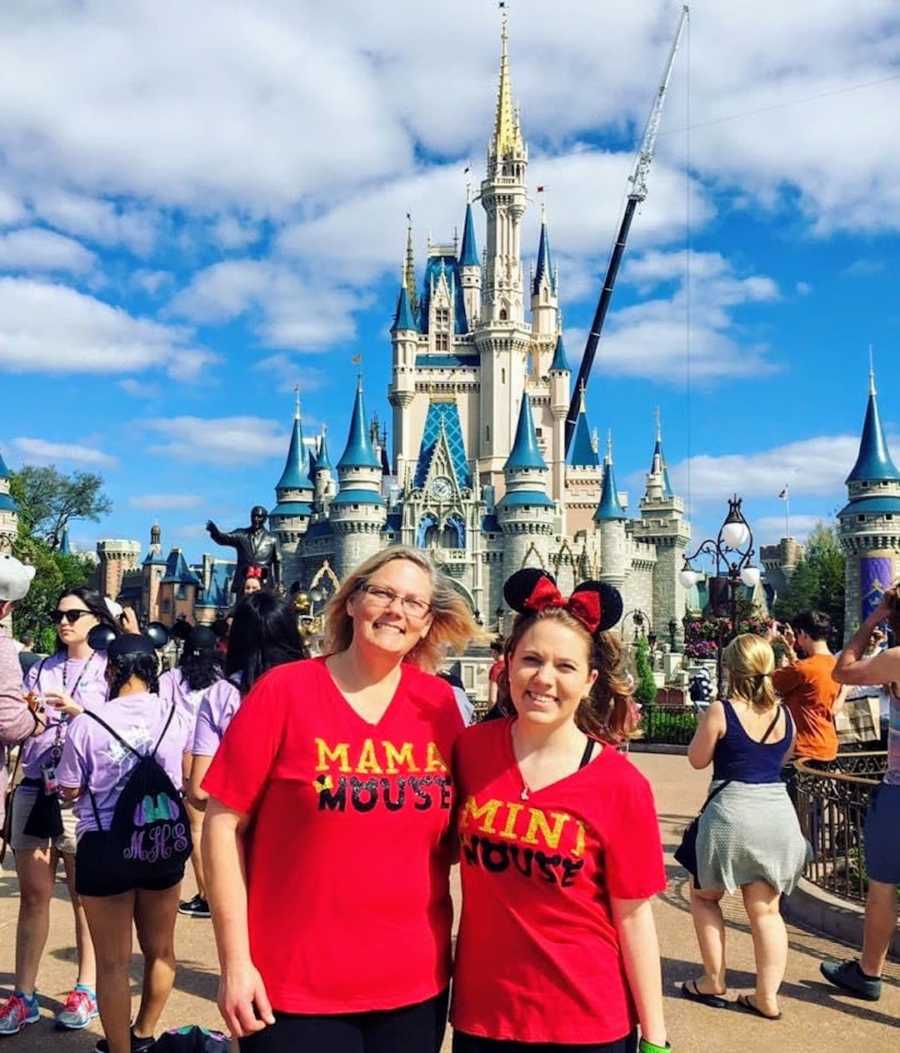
667	725
831	802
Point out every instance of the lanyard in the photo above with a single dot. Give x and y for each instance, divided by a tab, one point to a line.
56	748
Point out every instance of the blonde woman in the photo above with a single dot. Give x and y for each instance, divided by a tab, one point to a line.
333	918
749	837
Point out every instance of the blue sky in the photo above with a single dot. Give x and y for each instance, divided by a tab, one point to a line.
202	205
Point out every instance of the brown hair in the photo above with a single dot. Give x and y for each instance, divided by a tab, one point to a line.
750	662
606	713
892	601
452	627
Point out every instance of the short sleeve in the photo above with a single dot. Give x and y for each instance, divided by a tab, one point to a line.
206	736
249	748
787	680
70	770
635	868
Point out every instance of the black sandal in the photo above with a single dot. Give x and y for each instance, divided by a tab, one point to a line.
692	993
749	1006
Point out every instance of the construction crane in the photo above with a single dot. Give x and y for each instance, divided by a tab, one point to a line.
637	194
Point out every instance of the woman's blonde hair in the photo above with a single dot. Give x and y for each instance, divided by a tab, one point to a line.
453	624
750	661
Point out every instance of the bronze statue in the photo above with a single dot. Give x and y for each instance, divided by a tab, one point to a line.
258	551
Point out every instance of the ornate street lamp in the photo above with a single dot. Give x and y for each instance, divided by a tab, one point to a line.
732	550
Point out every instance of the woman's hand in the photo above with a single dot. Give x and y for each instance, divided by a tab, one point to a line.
243	1001
129	621
63	703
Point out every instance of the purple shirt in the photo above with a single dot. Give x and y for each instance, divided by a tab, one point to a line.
84	679
94	760
173	688
219	705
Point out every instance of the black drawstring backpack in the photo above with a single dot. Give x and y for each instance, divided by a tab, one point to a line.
191	1040
150	832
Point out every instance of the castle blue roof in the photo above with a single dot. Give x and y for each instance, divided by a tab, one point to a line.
154	559
871	506
358	497
453	361
321	528
609	507
296	467
403	316
582	453
394	522
323	461
874	461
7	504
544	265
658	458
4	471
490	524
177	570
468	254
443	416
560	362
291	508
449	266
525	452
516	498
358	452
218	594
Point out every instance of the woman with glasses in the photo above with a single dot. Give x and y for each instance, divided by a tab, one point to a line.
72	678
333	917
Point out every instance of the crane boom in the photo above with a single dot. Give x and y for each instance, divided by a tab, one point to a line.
637	194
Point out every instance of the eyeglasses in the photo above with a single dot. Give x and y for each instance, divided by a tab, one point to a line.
70	616
384	597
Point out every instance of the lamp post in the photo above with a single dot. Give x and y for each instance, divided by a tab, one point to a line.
673	629
732	550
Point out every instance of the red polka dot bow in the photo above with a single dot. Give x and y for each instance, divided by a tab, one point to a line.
584	605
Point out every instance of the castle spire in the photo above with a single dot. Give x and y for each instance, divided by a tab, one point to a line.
583	454
874	462
507	139
544	267
404	319
560	362
296	467
525	452
609	508
409	269
468	256
358	452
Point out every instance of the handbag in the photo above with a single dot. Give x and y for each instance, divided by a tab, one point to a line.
6	831
686	852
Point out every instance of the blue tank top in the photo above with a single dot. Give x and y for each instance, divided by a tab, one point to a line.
741	758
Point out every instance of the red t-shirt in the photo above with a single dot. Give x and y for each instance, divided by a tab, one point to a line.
348	861
496	670
538	957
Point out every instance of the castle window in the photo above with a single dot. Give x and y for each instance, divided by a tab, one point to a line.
442	341
502	376
442	317
503	314
487	432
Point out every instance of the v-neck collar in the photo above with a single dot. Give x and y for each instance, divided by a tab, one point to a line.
531	794
345	703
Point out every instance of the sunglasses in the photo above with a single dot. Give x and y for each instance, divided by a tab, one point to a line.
70	616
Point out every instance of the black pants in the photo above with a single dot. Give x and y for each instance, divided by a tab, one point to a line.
470	1044
415	1028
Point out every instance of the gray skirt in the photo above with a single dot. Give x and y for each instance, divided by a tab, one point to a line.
748	833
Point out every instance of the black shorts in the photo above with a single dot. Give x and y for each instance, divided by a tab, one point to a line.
472	1044
415	1028
95	876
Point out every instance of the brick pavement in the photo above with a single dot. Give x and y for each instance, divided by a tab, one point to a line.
815	1016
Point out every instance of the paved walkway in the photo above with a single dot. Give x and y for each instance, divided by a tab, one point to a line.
815	1016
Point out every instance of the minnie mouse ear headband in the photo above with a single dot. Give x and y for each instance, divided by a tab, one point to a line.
596	605
254	572
201	639
103	638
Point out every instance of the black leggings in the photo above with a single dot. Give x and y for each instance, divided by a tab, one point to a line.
415	1028
470	1044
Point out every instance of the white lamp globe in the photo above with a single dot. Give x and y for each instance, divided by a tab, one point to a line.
750	577
689	578
735	535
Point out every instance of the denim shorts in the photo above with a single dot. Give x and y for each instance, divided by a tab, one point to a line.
882	835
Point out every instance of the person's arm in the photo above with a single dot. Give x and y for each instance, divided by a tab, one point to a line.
839	701
243	1001
882	668
636	927
221	538
199	768
17	721
711	728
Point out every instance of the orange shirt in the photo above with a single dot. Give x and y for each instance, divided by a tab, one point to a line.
809	692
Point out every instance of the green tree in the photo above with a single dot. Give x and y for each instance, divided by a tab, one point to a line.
49	500
818	581
645	687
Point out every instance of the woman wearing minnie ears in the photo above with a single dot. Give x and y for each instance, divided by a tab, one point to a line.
559	831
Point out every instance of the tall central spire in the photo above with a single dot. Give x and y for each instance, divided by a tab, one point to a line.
507	133
409	270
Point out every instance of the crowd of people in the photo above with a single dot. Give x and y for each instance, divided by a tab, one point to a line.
320	798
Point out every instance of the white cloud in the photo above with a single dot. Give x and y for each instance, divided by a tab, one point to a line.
803	288
165	502
769	529
650	339
39	451
815	467
863	268
225	440
292	312
11	209
291	373
35	249
139	388
230	233
152	282
50	328
103	222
